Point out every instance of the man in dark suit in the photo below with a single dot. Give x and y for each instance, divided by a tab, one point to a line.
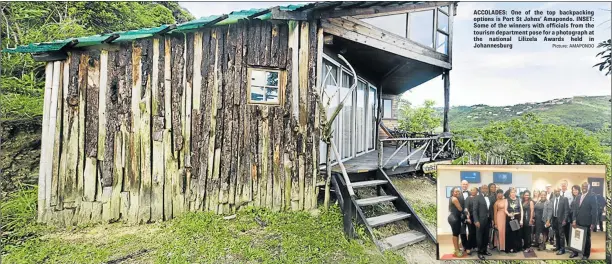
549	195
465	193
559	219
585	215
492	199
482	219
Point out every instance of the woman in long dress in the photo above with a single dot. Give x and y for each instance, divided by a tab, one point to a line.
575	192
527	220
514	211
454	219
470	222
541	233
499	220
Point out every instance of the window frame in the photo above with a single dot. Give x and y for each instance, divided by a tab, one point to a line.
440	31
281	82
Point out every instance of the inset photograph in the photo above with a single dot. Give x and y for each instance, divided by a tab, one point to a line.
521	212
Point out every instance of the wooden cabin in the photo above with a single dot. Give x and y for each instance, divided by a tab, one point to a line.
222	112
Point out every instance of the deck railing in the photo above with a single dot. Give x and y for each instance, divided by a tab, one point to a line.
430	147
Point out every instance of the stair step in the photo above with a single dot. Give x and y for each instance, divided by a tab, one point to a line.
401	240
363	184
375	200
388	218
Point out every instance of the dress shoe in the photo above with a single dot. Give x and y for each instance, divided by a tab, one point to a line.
573	255
560	252
481	257
489	253
585	258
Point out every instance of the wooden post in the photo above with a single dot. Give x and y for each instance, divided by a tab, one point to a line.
446	99
44	139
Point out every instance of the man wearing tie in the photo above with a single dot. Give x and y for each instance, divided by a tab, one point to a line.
482	219
465	193
570	198
585	215
559	220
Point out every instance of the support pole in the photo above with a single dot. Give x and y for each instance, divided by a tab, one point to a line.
446	99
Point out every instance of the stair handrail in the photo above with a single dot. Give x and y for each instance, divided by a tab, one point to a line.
349	186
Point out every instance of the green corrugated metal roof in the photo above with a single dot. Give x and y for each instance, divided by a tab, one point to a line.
231	18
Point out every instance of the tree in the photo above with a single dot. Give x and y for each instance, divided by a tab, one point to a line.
606	64
22	23
419	119
527	140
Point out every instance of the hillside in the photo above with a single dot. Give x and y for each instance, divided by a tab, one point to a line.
589	112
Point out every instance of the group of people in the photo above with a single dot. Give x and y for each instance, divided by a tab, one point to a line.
489	218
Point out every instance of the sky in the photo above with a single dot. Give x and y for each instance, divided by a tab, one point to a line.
529	72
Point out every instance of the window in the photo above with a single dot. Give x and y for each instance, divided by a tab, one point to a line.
421	25
442	30
387	108
395	24
264	86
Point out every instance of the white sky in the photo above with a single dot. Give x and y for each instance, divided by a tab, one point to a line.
529	72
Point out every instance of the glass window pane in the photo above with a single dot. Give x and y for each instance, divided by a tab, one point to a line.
257	93
258	77
442	45
360	116
395	24
387	108
271	78
421	27
442	21
347	117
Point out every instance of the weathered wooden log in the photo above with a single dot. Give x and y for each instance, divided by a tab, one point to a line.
57	145
157	180
42	181
144	95
293	107
169	170
132	81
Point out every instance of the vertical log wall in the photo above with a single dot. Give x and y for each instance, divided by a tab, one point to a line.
154	128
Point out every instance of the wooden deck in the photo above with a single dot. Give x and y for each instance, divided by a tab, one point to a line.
369	162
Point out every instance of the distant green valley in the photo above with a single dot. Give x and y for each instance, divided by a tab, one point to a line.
591	113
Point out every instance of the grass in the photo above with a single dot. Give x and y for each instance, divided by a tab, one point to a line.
18	216
286	237
16	106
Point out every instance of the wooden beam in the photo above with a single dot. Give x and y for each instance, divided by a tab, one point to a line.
378	39
446	100
111	38
42	206
50	56
215	21
375	11
167	29
328	40
259	13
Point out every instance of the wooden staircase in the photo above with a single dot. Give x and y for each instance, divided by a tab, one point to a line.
353	208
